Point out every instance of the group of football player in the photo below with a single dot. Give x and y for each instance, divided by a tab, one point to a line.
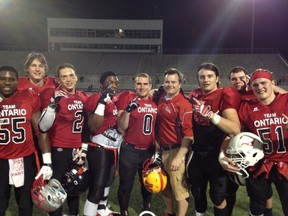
57	141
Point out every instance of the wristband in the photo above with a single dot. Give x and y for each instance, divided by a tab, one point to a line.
84	146
47	158
100	109
216	119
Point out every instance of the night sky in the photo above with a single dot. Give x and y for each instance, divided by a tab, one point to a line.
188	24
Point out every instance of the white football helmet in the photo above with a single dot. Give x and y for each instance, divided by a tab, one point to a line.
245	149
48	195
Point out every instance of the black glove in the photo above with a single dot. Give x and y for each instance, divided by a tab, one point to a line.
106	95
55	99
132	105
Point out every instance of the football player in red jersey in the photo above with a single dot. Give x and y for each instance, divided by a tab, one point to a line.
214	117
266	116
174	135
19	115
36	67
239	80
137	116
104	142
63	119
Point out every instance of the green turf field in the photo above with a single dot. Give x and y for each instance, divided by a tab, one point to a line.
157	204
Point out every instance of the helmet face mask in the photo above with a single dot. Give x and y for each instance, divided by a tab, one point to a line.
48	195
245	150
239	177
76	180
154	177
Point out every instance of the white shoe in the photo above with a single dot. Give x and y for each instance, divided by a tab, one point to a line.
104	212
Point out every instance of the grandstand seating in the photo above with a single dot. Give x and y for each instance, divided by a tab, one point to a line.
91	65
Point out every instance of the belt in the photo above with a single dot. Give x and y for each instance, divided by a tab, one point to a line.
168	148
136	147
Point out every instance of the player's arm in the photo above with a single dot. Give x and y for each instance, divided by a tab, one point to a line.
224	161
123	121
96	118
81	153
185	145
95	121
228	122
43	139
45	147
124	116
278	89
48	115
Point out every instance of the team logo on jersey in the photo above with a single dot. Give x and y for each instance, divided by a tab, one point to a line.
256	109
167	109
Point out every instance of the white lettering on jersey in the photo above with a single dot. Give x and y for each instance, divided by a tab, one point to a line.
270	119
147	109
13	112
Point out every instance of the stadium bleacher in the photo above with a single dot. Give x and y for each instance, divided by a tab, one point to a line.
91	65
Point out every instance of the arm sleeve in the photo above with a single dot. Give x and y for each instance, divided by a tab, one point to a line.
47	119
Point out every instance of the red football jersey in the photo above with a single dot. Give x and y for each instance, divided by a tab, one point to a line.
247	95
110	114
24	83
141	129
68	124
269	124
16	137
174	120
208	137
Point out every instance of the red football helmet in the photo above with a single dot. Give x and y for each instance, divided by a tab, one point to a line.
154	176
48	195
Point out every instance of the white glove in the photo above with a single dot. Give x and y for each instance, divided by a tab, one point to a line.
156	158
80	154
46	169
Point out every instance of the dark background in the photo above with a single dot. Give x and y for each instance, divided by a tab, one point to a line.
188	24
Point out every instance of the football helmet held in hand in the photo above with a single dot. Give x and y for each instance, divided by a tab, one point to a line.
245	150
154	176
76	180
48	195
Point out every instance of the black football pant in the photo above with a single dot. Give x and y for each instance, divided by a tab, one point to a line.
260	188
101	163
61	157
130	162
22	194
